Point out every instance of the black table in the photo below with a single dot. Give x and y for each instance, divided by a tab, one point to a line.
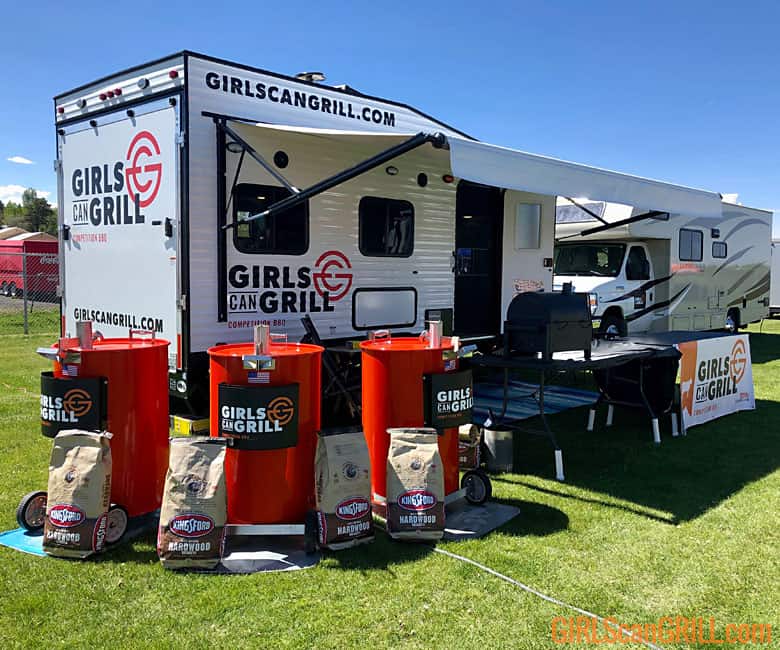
606	356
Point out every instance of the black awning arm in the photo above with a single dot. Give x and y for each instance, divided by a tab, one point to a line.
653	214
586	210
437	139
222	124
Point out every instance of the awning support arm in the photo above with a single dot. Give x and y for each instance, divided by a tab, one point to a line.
624	222
437	139
587	211
222	124
235	180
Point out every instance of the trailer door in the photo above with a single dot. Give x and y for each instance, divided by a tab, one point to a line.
119	178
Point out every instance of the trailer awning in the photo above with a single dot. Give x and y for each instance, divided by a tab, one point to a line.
492	165
517	170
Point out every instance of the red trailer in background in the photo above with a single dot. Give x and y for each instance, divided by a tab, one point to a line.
33	260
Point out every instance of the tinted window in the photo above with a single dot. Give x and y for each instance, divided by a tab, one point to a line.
286	233
589	259
386	227
719	249
691	245
637	266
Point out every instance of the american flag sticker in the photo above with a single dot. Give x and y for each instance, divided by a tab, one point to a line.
256	377
70	371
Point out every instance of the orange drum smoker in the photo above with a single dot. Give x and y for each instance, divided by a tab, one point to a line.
413	382
265	398
120	385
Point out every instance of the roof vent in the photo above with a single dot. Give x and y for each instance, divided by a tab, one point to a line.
311	77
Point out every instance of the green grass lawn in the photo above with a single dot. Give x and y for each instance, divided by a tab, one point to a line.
637	532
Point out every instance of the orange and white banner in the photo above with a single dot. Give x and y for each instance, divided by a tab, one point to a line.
716	378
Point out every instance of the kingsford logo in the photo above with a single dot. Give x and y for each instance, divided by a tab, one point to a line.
352	508
417	500
191	525
66	516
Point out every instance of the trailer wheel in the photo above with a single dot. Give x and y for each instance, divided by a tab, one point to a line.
311	529
31	513
477	485
117	524
11	290
3	287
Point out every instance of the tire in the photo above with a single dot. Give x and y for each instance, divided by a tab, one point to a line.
11	290
31	513
116	526
3	287
613	321
311	532
477	485
732	320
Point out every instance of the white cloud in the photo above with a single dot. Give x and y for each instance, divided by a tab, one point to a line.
21	160
14	193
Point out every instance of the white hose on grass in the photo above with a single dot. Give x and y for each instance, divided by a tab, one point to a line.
531	590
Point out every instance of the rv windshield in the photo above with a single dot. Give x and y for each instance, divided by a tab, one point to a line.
589	259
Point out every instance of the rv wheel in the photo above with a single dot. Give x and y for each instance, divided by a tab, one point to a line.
477	486
310	532
612	326
732	320
117	524
31	513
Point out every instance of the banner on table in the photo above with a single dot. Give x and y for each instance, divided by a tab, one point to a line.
716	378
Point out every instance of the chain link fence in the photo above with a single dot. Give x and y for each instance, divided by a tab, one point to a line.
28	293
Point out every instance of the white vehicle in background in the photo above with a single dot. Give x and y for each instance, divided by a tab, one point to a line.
774	293
654	272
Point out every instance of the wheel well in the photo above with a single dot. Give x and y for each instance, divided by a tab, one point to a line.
617	312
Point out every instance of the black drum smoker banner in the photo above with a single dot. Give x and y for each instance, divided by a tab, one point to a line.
716	378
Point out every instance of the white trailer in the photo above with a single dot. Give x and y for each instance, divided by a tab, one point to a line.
665	271
200	197
774	285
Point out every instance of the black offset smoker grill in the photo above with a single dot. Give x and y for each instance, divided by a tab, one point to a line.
542	323
553	332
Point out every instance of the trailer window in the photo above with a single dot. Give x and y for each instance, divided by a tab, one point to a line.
719	249
286	233
386	227
691	245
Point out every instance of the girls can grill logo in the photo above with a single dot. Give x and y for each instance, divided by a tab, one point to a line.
143	173
352	508
417	500
66	516
191	525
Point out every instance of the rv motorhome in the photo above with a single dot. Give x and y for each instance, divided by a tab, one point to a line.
665	272
201	197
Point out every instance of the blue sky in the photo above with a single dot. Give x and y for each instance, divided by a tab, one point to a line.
681	91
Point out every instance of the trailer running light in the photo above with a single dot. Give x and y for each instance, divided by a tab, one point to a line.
391	170
448	178
143	83
103	97
110	94
60	110
81	103
173	74
117	91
